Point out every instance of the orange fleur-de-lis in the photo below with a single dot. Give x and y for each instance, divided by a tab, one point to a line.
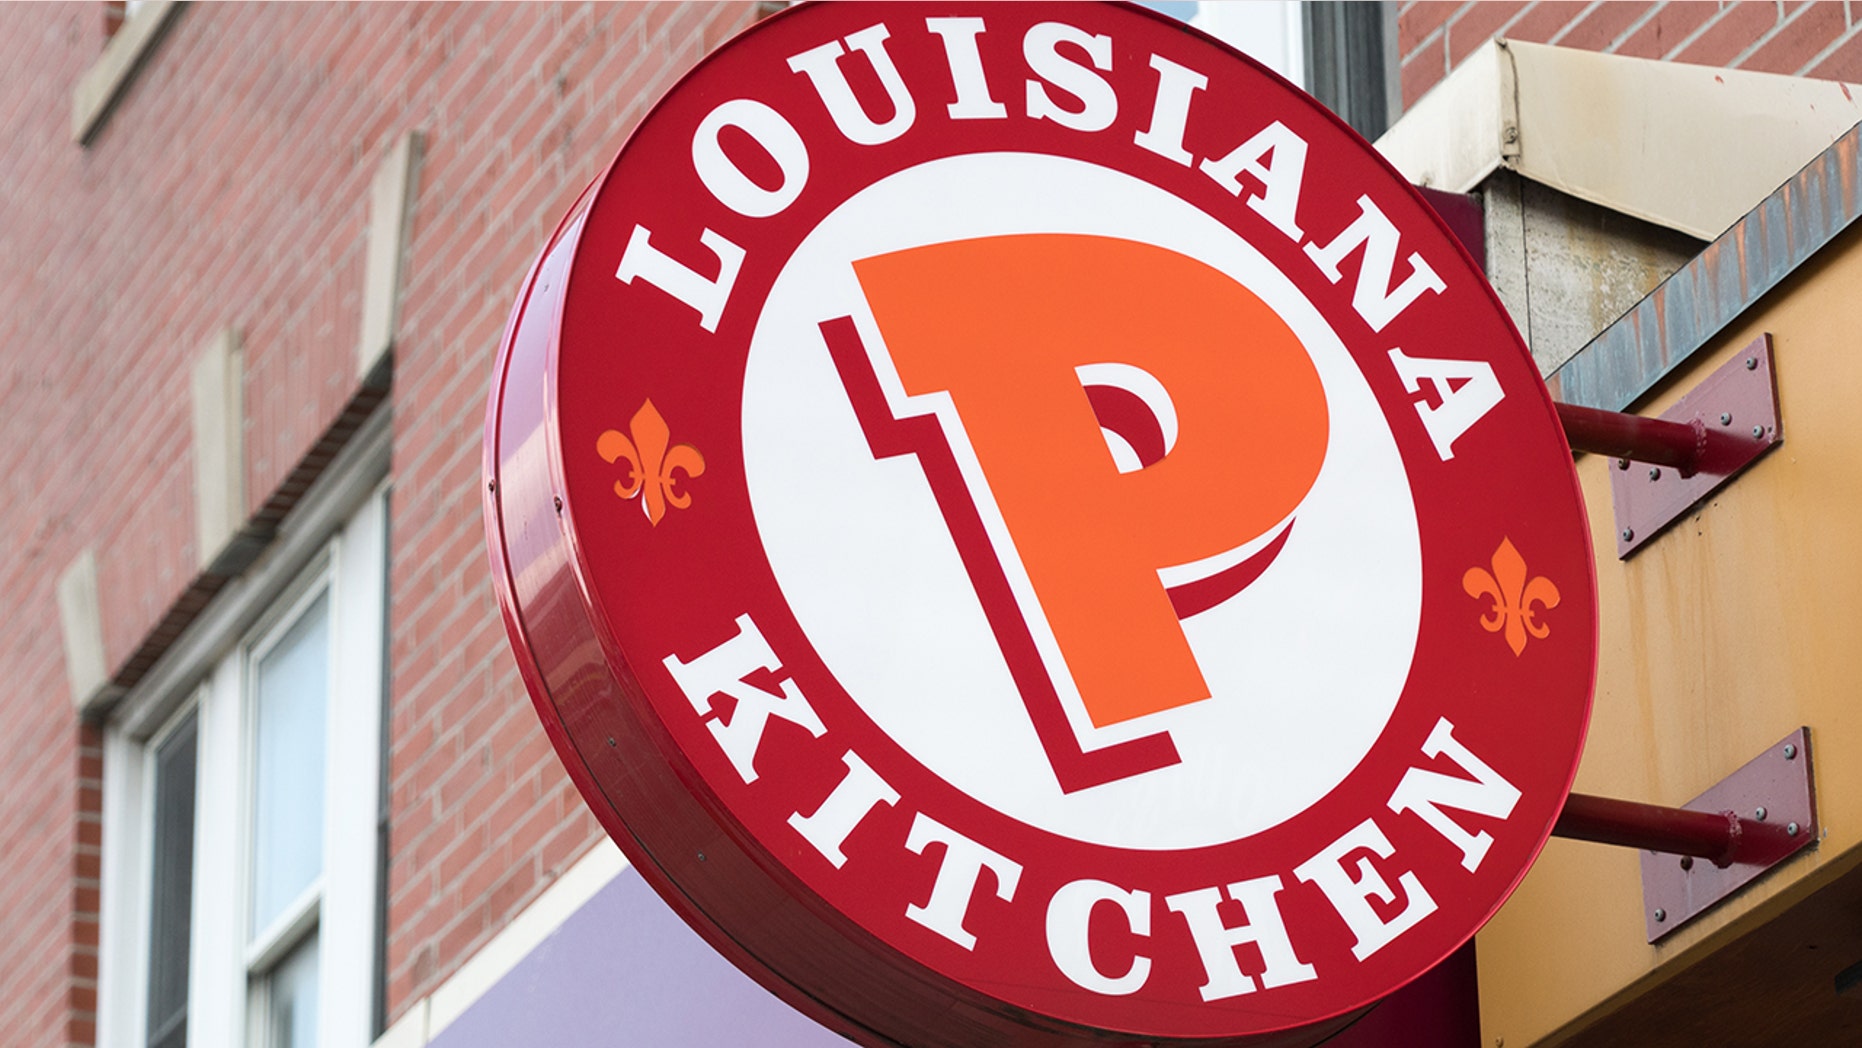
650	462
1513	596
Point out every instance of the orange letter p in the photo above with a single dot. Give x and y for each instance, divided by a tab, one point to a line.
1002	324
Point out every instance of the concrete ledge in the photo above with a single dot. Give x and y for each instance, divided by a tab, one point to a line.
104	82
391	215
219	445
81	622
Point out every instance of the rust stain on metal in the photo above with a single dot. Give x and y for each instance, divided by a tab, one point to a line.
1694	304
1845	151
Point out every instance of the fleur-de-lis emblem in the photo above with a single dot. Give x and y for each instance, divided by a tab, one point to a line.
1513	596
650	462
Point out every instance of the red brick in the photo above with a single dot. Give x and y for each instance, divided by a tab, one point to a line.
1419	19
1422	73
460	780
474	887
1543	21
84	999
1844	63
517	888
569	842
1736	30
1800	39
527	834
1664	32
462	939
459	856
1603	26
401	991
1476	25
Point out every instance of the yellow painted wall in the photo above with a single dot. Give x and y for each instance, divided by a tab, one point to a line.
1741	623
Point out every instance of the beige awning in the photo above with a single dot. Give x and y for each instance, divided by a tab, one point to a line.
1691	148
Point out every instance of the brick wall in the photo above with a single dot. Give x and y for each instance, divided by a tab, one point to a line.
1818	39
483	815
230	187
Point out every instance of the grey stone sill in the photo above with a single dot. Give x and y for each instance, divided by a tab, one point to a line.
104	82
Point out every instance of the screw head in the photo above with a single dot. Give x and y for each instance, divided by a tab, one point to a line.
1758	432
1792	829
558	501
1622	463
1752	363
1628	533
1760	814
1660	915
1790	751
1654	474
1687	862
1726	418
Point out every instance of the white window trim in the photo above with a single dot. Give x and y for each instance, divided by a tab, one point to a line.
122	932
128	811
339	528
344	906
264	947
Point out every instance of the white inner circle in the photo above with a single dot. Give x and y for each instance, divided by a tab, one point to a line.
1305	665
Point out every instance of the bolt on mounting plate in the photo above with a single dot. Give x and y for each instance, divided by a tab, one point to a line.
1744	393
1777	782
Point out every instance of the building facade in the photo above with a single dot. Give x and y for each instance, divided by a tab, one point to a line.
271	776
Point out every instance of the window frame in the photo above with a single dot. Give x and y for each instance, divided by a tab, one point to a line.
265	949
1343	54
147	771
334	542
126	892
264	946
1351	62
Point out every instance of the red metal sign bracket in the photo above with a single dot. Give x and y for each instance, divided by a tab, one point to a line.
1746	824
1665	466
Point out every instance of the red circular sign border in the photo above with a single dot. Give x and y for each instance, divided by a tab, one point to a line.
601	704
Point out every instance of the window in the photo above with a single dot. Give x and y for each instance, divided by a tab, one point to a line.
242	869
1268	32
288	687
171	881
1351	64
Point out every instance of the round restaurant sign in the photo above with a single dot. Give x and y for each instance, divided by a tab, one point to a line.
1025	529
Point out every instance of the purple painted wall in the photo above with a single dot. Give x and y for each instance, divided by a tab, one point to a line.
625	971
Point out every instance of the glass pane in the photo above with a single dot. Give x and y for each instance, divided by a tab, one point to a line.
1267	32
291	1021
287	831
171	887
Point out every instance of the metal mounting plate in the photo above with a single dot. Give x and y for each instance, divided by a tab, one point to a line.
1738	403
1777	781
